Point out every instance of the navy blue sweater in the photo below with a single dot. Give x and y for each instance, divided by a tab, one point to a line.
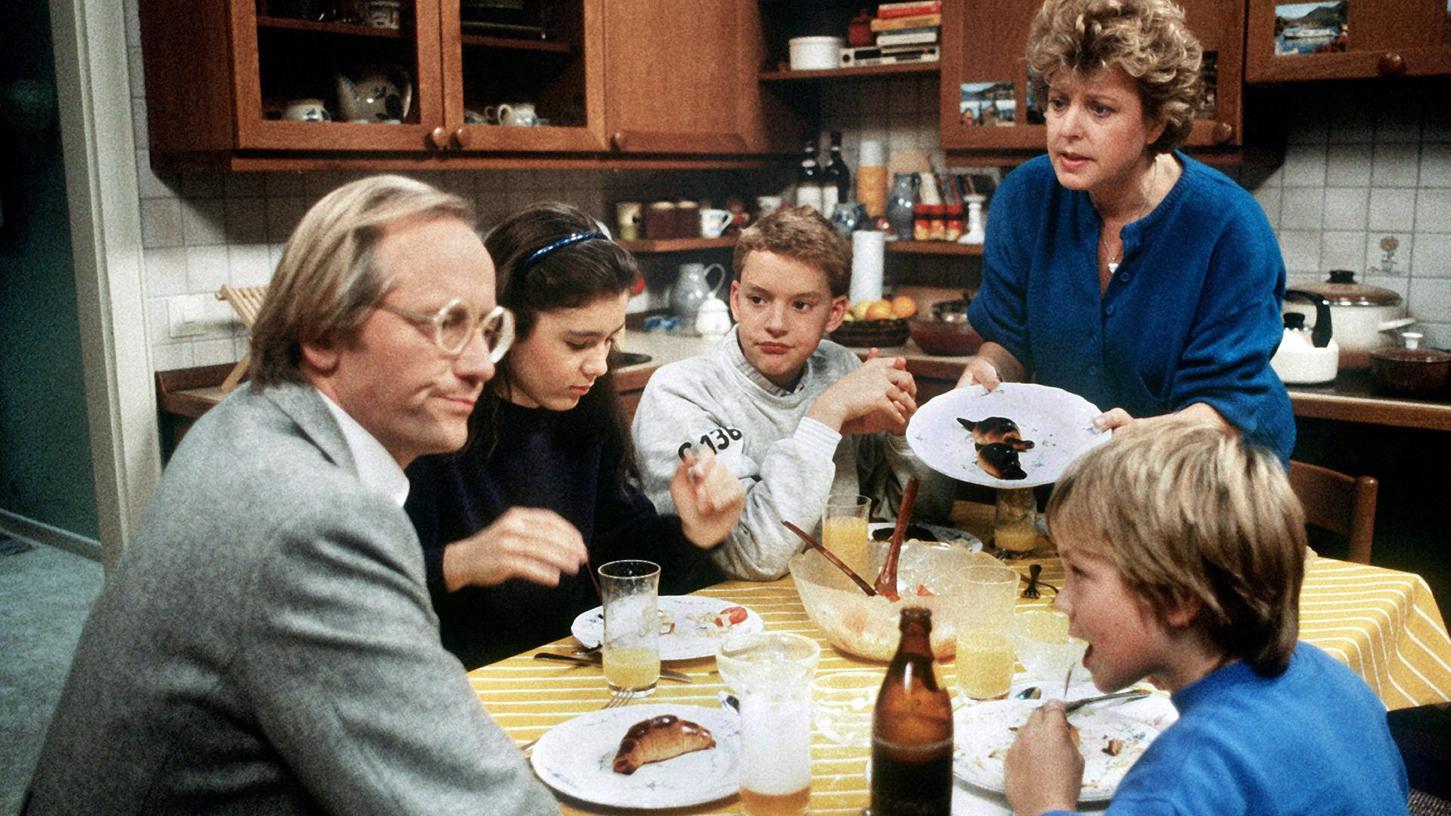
547	459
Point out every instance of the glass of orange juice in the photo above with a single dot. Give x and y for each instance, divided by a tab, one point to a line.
844	530
632	624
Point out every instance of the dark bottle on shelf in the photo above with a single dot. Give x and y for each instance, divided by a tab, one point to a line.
809	181
912	729
836	177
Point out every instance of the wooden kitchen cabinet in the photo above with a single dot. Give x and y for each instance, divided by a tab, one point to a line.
985	41
1382	38
612	78
680	77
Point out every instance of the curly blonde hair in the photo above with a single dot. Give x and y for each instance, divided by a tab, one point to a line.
1147	39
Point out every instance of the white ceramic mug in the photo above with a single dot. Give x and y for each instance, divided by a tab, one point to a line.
767	204
306	110
714	222
517	114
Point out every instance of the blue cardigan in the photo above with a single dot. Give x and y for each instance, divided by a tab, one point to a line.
1193	314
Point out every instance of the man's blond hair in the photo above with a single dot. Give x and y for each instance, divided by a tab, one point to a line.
801	234
328	279
1186	511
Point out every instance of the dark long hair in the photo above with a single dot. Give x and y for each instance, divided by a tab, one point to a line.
569	276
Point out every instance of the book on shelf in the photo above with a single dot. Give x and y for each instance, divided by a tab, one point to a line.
899	23
887	11
910	36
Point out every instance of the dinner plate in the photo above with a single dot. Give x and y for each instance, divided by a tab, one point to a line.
1060	425
945	535
688	627
984	732
576	757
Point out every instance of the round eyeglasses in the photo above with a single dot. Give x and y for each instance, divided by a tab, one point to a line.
455	323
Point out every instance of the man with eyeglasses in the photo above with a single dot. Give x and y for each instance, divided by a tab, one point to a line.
266	643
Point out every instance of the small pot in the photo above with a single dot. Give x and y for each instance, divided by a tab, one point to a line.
1364	316
1411	370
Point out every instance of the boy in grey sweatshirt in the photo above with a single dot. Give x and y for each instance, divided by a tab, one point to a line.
792	415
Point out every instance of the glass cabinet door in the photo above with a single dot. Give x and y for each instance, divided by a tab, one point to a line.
337	75
523	75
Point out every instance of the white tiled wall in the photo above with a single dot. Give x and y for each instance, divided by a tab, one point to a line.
1365	163
1360	166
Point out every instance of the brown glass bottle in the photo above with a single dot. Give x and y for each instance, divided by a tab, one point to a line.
912	729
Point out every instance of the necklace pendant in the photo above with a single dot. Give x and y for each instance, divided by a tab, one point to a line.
1112	267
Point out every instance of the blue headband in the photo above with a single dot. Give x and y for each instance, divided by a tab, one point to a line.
537	255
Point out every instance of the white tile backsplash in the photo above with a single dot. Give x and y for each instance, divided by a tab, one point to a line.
160	222
165	269
1305	166
1346	208
1428	299
1301	250
1395	165
1433	209
1348	165
1391	210
1343	250
204	221
1435	165
1303	208
207	268
1388	262
1432	256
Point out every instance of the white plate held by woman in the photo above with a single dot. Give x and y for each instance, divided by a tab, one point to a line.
576	759
691	626
1059	423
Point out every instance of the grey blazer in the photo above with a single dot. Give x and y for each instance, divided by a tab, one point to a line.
266	645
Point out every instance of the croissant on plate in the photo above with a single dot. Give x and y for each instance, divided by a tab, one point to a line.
1000	460
660	738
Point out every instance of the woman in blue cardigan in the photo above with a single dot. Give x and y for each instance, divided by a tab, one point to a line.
1115	266
546	489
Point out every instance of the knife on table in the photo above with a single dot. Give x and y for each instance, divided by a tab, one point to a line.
596	660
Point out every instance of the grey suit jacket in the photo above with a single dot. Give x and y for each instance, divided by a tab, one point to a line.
266	645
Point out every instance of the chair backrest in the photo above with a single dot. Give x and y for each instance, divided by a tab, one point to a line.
246	301
1339	503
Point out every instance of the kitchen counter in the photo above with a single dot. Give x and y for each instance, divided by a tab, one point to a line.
1354	398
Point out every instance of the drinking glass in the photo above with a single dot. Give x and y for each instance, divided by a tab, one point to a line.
844	530
632	624
1015	520
985	656
1044	647
771	673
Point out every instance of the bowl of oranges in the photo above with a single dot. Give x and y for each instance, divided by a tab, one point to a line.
877	323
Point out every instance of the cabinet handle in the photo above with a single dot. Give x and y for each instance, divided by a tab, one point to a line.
438	138
1223	132
617	140
461	137
1391	64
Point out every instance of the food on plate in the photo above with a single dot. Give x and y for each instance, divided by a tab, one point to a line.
1000	461
914	532
658	739
730	616
1113	747
996	429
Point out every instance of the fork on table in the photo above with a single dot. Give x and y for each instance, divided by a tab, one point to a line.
618	699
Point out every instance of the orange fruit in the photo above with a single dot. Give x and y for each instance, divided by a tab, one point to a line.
880	310
903	306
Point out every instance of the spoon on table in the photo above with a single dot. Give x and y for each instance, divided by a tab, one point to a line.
830	556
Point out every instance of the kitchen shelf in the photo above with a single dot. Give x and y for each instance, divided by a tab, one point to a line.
933	248
849	73
663	245
505	43
349	29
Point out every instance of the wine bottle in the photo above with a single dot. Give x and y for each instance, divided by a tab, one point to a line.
808	180
836	180
912	729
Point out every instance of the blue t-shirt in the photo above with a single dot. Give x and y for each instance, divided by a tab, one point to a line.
1311	742
1192	315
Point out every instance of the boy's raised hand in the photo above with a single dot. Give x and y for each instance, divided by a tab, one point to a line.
708	497
881	395
1043	770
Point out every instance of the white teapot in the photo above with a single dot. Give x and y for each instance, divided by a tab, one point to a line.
713	318
378	94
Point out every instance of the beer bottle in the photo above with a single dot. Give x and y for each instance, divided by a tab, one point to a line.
912	729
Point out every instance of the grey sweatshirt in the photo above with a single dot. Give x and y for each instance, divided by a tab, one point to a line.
787	462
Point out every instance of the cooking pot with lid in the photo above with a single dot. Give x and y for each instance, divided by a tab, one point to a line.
1364	316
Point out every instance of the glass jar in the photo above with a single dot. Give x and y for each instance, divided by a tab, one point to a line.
1015	522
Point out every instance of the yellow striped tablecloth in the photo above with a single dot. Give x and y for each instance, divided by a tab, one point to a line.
1384	624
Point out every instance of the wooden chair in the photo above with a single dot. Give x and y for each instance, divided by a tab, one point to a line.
246	301
1339	503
